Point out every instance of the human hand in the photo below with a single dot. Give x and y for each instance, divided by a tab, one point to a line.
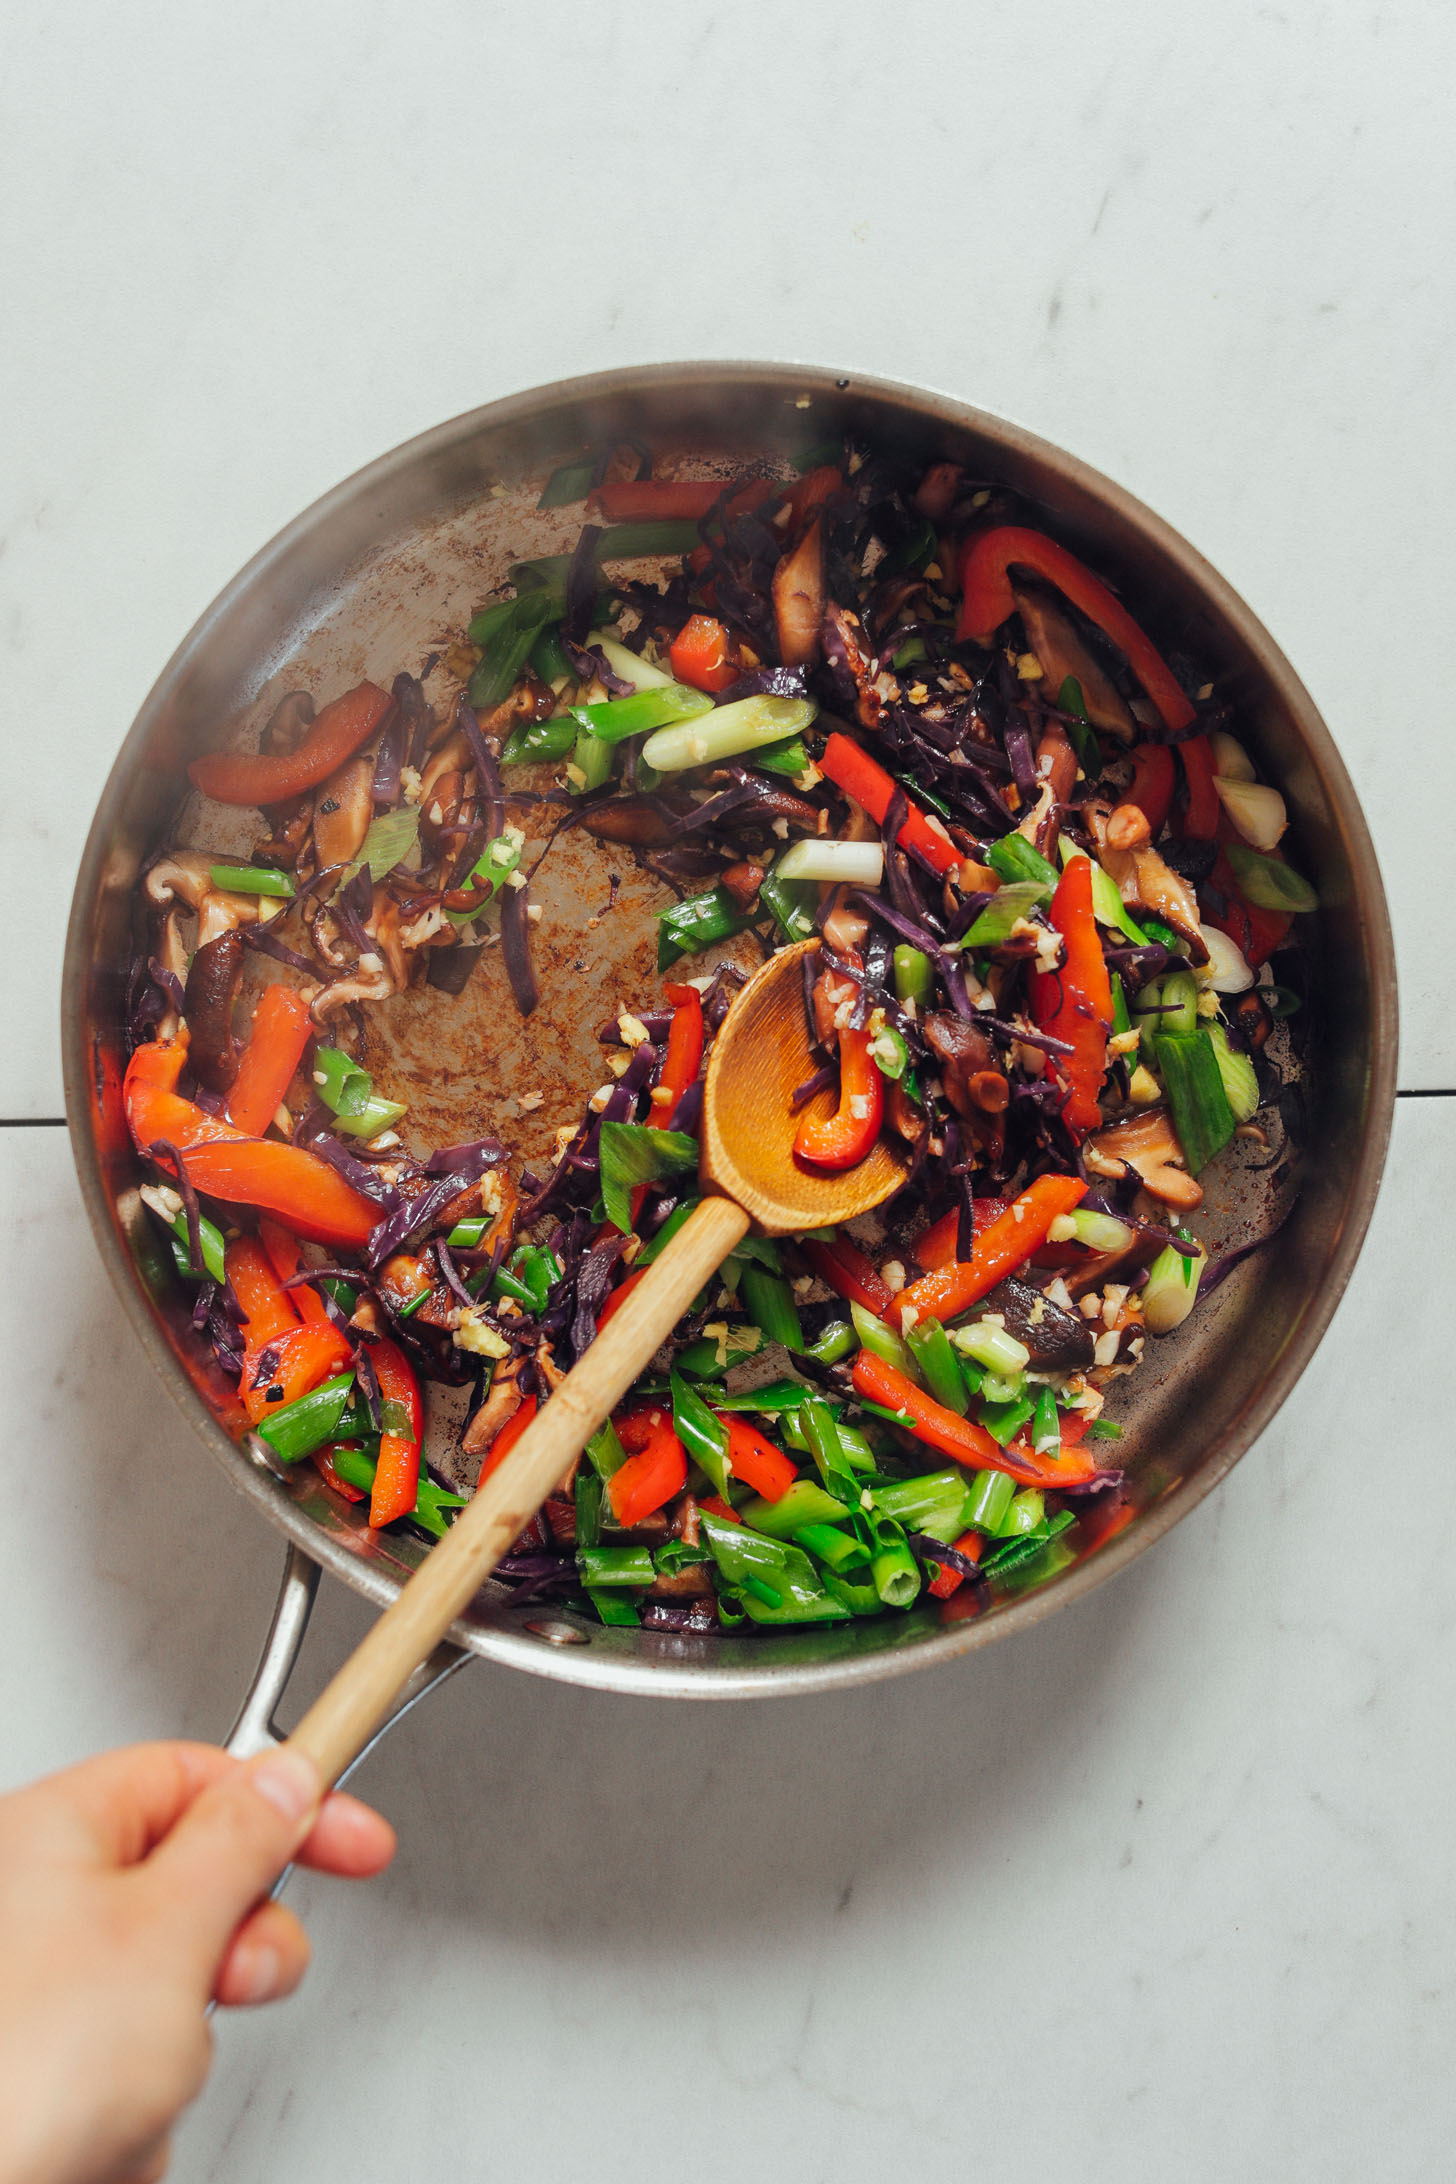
129	1899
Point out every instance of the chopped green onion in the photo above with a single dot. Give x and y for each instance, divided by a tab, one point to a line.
1026	1513
836	1342
611	1566
991	1346
210	1237
1178	1003
940	1368
856	864
1014	859
1202	1116
896	1574
540	742
467	1234
932	1503
702	1435
1103	1429
571	482
1046	1426
990	1496
914	975
298	1428
1006	909
727	730
497	861
588	1500
630	667
348	1091
700	922
711	1354
790	757
775	1582
792	902
769	1302
251	880
549	659
1268	883
889	1052
775	1395
817	1421
389	841
590	766
1108	906
1004	1420
1100	1231
804	1503
1240	1084
1080	732
606	1451
1281	1000
831	1544
655	707
882	1341
1171	1289
613	1608
633	1152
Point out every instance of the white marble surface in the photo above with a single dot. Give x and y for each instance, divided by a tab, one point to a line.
1164	1887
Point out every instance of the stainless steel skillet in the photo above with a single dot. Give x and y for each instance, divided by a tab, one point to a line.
381	573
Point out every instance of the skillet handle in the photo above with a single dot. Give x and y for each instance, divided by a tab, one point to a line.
256	1728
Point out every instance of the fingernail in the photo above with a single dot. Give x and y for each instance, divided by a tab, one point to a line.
260	1981
290	1783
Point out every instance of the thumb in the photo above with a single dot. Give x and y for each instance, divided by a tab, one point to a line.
228	1849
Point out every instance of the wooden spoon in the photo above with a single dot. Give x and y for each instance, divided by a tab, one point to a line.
750	1178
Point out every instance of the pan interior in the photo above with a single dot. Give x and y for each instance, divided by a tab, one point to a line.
383	575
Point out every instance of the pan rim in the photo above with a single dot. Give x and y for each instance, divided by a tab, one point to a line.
586	1665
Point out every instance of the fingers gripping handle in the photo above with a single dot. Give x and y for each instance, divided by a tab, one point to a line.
345	1715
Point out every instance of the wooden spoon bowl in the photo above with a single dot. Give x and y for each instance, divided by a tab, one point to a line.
760	1058
750	1178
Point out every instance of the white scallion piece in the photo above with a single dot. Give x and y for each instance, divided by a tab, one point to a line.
1257	811
1170	1290
1226	971
857	864
641	674
727	731
1230	759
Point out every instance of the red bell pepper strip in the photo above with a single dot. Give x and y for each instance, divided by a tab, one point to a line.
303	1190
1075	1003
278	1178
961	1438
699	654
717	1507
755	1460
287	1260
683	1059
656	1466
936	1246
849	1273
646	500
506	1439
619	1295
270	1058
842	1139
998	1251
1151	787
987	601
1203	810
303	1353
271	777
397	1477
945	1580
852	769
267	1308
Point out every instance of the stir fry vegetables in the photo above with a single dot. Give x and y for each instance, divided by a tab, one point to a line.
884	709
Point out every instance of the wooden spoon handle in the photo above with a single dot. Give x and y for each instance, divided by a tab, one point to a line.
343	1718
